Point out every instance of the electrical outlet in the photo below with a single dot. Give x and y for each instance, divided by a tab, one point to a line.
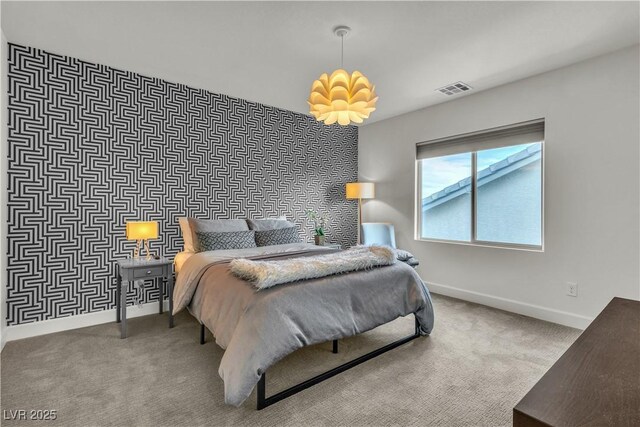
572	289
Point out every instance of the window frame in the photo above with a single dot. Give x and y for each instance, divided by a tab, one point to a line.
474	199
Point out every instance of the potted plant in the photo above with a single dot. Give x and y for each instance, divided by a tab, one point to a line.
319	223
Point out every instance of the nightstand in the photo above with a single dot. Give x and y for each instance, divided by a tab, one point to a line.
130	270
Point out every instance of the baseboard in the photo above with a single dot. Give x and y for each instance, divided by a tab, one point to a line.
34	329
549	314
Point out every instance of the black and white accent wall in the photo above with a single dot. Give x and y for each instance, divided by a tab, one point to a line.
91	147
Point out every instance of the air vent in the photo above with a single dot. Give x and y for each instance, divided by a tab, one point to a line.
454	88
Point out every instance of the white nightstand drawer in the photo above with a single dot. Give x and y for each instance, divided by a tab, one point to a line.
139	273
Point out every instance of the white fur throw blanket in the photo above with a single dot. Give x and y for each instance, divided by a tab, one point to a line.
265	274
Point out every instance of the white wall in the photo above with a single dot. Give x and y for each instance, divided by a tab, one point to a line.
592	190
3	192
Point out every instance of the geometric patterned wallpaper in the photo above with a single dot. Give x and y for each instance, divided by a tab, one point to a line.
91	147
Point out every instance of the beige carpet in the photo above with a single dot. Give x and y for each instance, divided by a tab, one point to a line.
472	370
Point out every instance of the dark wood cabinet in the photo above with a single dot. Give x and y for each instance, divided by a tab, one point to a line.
597	381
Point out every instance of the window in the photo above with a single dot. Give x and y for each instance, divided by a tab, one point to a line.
446	182
483	188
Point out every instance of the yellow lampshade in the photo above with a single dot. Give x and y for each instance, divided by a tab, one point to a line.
360	190
342	98
141	230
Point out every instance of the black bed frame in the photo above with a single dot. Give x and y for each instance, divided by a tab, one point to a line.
264	401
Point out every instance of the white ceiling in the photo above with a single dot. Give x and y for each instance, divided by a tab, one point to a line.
270	52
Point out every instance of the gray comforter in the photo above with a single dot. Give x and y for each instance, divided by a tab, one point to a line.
259	327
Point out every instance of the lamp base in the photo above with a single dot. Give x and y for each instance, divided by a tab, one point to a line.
359	238
136	251
146	248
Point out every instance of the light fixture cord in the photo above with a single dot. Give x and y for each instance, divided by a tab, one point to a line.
342	51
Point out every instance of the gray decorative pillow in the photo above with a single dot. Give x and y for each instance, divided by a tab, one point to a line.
269	223
218	225
279	236
217	240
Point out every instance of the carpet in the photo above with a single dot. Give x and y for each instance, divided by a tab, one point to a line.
476	365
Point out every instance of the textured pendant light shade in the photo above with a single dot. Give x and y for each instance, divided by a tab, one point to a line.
342	98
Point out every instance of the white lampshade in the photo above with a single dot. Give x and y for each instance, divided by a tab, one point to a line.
360	190
141	230
342	97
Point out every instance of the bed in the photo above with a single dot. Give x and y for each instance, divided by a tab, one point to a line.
257	328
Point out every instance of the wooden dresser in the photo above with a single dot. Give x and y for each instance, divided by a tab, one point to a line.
597	381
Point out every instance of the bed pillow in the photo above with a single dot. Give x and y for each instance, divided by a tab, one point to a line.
187	234
220	240
269	223
278	236
214	225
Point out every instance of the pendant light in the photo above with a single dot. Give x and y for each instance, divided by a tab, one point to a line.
342	97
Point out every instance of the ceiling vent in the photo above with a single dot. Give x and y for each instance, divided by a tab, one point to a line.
454	88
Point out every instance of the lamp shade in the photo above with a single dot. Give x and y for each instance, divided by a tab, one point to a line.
360	190
342	98
141	230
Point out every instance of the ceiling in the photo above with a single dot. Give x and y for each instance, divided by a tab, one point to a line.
270	52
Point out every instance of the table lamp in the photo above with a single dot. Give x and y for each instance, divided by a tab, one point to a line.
142	231
360	190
